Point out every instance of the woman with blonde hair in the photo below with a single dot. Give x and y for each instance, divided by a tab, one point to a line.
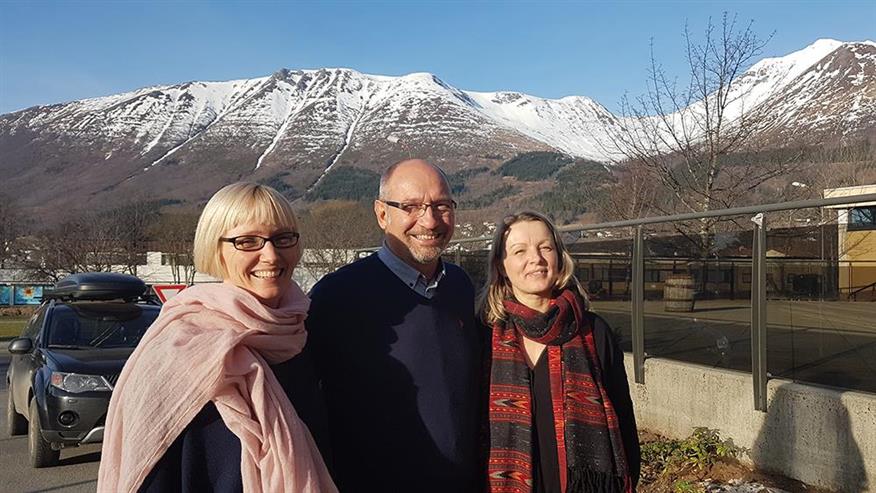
560	414
197	406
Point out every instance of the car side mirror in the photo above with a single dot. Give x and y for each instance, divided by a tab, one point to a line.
21	345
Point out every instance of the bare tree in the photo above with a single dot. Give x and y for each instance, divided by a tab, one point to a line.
847	164
633	194
174	234
97	242
689	139
126	229
331	230
11	227
66	248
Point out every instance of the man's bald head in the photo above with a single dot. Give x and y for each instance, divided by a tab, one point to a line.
412	165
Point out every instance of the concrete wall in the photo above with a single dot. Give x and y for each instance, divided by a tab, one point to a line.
823	437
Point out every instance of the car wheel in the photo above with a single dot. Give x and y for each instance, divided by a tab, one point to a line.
41	453
15	423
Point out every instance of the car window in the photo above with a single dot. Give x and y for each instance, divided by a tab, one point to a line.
33	326
99	325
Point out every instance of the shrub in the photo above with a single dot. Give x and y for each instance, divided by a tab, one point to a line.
700	450
684	486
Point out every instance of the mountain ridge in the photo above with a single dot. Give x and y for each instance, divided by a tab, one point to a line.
187	140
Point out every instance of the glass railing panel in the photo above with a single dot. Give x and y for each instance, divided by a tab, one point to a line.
472	257
821	287
697	294
603	265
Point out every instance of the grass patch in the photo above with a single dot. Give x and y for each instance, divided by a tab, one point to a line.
11	327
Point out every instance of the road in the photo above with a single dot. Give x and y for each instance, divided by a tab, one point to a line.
77	472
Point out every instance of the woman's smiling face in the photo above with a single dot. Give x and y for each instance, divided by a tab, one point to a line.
530	260
265	273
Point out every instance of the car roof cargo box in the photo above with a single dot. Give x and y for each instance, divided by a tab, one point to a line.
97	286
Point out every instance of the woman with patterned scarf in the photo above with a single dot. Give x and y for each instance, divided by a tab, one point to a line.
560	414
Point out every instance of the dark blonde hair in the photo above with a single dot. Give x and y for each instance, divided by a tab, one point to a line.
498	287
233	205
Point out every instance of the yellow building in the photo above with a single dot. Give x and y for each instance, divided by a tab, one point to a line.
856	243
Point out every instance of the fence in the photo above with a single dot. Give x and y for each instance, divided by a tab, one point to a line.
725	290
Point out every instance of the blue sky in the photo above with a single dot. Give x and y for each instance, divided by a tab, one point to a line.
59	51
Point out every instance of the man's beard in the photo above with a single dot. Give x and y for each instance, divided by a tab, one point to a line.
426	255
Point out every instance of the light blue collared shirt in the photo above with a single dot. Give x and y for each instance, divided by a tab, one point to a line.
410	276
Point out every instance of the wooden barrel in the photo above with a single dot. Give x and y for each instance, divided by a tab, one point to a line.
678	293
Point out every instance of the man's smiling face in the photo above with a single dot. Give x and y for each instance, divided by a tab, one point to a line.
418	241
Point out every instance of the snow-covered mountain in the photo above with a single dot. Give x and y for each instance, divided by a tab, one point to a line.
834	97
182	142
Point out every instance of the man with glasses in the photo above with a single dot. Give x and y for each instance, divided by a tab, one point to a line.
397	349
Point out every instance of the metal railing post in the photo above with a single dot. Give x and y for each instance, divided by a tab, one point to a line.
758	313
638	307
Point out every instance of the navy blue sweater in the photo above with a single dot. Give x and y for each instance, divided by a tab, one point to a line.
400	375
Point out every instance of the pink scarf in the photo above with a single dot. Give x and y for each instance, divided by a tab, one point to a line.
214	342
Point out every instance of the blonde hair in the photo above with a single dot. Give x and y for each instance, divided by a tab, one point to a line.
233	205
498	287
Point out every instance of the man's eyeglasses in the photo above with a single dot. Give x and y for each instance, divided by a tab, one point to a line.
444	208
252	243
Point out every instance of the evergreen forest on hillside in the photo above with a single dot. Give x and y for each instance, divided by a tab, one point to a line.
534	166
346	183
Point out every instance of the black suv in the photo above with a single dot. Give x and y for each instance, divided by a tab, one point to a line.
68	358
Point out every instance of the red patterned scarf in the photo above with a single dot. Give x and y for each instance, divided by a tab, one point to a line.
589	445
